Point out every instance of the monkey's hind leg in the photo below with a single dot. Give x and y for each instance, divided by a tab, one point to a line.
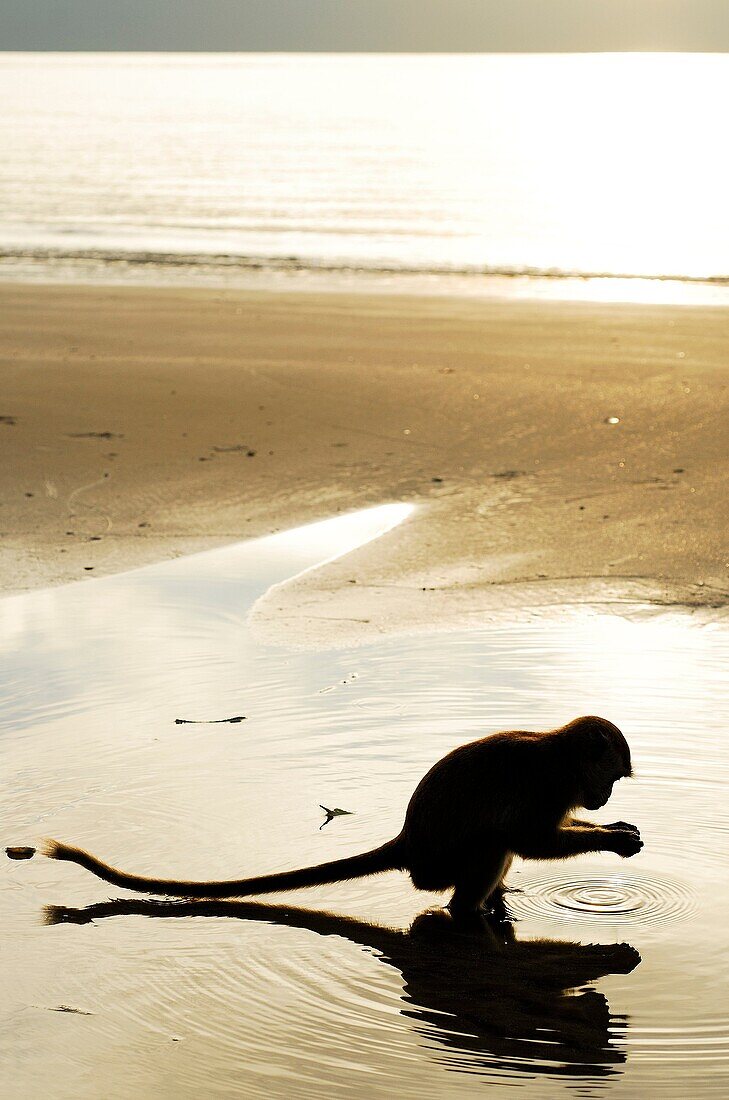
481	888
497	904
471	895
468	897
496	901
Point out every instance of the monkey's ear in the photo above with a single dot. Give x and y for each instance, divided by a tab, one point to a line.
598	740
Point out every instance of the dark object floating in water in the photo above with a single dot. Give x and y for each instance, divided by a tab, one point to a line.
95	435
331	814
20	853
8	420
208	721
507	475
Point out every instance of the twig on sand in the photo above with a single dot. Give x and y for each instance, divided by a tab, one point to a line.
209	721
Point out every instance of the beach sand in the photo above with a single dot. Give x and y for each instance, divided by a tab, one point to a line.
142	424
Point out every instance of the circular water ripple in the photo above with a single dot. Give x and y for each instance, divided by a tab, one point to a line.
681	1055
253	1005
622	899
705	1040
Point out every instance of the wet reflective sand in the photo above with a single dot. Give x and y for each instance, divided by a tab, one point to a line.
612	978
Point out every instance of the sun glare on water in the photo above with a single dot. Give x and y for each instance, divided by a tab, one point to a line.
334	165
623	159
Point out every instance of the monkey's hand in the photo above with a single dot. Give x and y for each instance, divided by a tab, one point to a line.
626	842
622	826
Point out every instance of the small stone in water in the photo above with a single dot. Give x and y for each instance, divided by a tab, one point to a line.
20	853
611	420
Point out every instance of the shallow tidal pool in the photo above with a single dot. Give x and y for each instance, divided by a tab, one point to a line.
613	980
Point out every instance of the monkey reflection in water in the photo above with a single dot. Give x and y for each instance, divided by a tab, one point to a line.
496	1003
508	794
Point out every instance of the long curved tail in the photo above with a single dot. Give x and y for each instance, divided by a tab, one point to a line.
385	858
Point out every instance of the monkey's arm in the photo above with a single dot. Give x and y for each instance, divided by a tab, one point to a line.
574	840
591	825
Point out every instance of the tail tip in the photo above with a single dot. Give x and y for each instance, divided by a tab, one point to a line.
54	849
53	914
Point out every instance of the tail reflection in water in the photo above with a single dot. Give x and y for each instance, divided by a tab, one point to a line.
497	1004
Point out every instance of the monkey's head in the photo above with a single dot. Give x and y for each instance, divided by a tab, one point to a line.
602	756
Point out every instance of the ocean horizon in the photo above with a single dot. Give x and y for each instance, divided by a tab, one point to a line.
222	167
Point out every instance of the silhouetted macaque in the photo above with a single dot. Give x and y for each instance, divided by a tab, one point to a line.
509	1005
508	794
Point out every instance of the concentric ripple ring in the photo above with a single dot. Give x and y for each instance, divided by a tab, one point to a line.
620	899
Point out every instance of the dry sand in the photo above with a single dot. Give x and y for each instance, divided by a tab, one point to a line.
140	424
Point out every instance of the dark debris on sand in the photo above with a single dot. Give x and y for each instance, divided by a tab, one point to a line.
209	721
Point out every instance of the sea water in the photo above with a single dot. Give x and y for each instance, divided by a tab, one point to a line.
229	167
612	981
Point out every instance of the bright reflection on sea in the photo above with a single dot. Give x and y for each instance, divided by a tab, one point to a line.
336	992
231	168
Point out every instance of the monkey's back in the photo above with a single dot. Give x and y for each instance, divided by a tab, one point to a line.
465	804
